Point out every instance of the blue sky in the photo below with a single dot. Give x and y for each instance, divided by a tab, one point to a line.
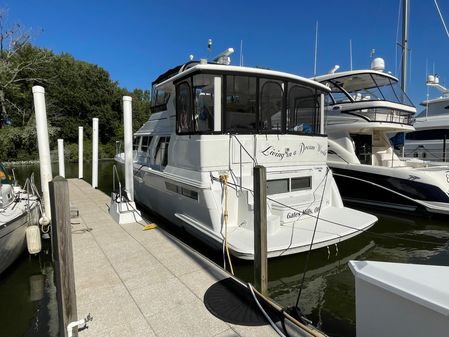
137	40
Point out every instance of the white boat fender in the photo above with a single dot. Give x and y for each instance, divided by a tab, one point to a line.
33	236
44	221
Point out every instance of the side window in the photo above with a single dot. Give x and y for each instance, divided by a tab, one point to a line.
203	89
302	111
136	143
184	120
161	156
240	103
144	144
271	97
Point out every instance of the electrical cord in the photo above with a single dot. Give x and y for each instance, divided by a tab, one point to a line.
306	265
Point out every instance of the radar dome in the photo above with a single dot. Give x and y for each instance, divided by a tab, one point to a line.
430	79
378	64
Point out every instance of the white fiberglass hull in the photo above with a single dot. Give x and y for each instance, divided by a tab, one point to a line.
13	223
201	217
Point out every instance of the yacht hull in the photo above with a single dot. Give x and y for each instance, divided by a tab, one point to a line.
379	187
12	233
201	218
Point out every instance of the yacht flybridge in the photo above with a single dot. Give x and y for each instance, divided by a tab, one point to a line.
211	123
428	142
365	109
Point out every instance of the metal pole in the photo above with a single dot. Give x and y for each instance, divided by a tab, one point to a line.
128	140
61	157
95	152
322	131
80	152
43	145
444	148
405	10
260	229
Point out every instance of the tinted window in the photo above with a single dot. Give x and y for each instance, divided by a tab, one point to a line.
184	116
161	157
240	103
277	186
302	109
271	98
203	89
301	183
144	145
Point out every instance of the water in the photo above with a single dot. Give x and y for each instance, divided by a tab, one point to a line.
327	296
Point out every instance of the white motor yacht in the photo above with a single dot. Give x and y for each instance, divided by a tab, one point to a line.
428	142
364	110
18	210
211	123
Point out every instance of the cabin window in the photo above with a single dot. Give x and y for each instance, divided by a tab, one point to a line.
146	140
301	183
161	157
203	90
184	108
240	103
302	110
159	99
271	105
181	190
277	186
136	143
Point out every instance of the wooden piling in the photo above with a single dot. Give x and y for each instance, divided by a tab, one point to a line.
260	229
63	253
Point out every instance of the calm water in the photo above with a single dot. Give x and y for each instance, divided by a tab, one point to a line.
327	297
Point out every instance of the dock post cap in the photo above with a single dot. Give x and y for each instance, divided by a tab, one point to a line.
95	118
127	98
38	89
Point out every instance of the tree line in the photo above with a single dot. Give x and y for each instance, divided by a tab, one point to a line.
76	92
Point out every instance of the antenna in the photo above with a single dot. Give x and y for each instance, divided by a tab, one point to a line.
350	54
241	53
316	48
209	46
441	17
371	54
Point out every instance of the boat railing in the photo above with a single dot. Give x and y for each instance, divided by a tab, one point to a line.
384	115
116	177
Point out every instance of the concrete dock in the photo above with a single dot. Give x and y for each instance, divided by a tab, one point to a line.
140	283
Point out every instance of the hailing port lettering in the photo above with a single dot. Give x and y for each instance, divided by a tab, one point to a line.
271	151
291	215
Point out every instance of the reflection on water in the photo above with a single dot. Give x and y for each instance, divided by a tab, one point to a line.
327	298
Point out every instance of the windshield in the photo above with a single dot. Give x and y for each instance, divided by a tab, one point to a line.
366	87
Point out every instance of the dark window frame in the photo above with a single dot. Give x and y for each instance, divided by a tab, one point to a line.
257	130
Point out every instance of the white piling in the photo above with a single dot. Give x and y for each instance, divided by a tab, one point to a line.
43	145
128	139
95	152
80	152
61	157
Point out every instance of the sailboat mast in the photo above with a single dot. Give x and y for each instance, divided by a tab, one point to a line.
405	11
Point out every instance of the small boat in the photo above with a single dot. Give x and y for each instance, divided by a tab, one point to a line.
18	210
428	142
211	123
366	113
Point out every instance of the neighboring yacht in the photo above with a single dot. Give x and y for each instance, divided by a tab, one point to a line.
365	108
211	123
18	209
428	142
